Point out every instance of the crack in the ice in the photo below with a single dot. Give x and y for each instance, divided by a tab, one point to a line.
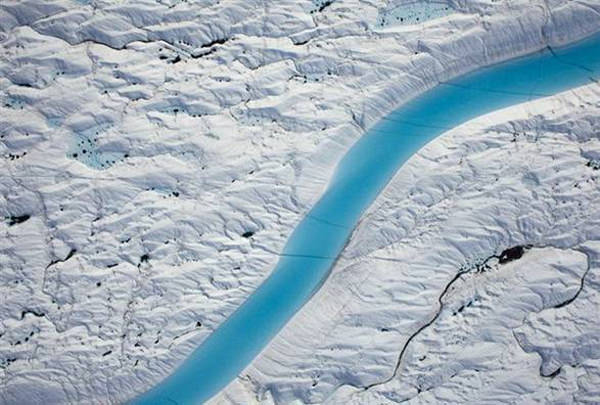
575	65
560	305
505	256
581	285
456	277
309	215
305	256
497	91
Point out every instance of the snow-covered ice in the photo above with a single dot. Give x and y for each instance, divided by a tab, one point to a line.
156	156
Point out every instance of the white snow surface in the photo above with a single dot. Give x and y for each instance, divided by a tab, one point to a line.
142	139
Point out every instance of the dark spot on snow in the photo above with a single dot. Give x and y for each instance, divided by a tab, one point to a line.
552	374
511	254
177	59
220	41
13	156
30	311
70	254
17	219
198	324
199	55
595	165
144	258
106	353
325	5
10	360
247	234
176	193
67	257
98	284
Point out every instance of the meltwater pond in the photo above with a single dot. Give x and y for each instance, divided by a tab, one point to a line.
360	176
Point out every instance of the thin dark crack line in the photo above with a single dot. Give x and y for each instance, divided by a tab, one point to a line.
569	63
576	65
416	124
531	95
309	215
561	305
514	93
456	277
299	255
464	124
581	285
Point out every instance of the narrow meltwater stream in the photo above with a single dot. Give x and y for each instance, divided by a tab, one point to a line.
360	176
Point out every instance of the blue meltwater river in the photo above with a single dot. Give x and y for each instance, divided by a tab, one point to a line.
360	176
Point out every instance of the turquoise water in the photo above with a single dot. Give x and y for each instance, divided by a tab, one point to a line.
360	176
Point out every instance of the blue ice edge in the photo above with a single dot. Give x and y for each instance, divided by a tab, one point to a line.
360	176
